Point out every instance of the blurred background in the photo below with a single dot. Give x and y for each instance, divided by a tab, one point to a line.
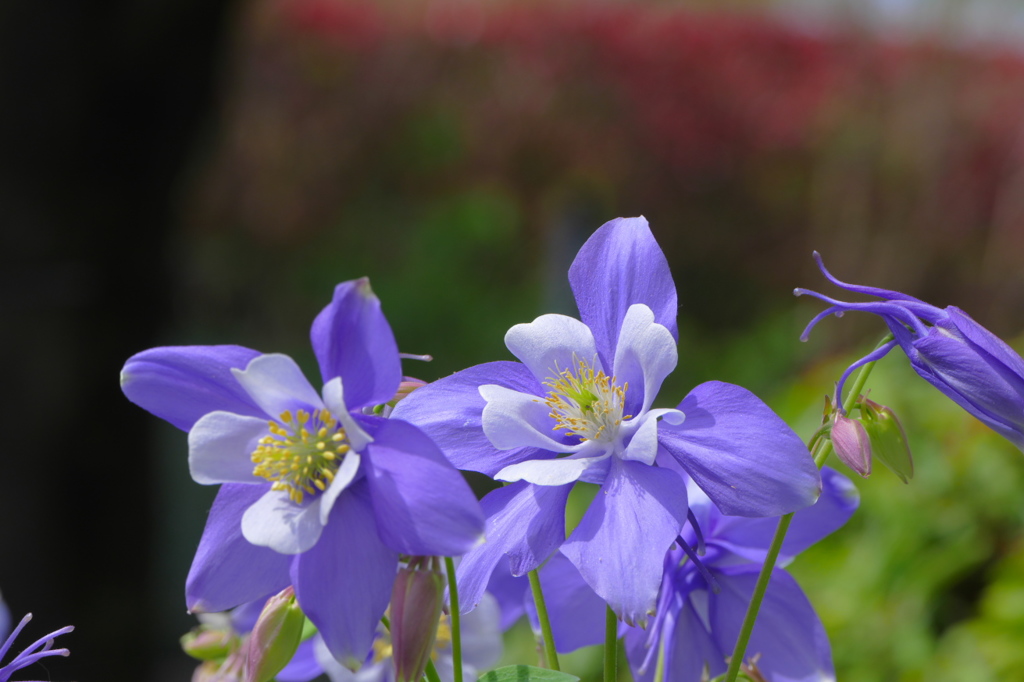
204	171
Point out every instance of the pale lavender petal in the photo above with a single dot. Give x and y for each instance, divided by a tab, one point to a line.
228	570
750	538
619	546
344	582
555	471
748	461
220	448
788	635
450	411
552	344
645	354
514	420
334	399
352	339
576	613
182	383
277	385
525	522
481	634
643	445
276	522
422	504
621	264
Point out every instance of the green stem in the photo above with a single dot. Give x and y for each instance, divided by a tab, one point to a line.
611	645
823	450
550	655
431	672
453	599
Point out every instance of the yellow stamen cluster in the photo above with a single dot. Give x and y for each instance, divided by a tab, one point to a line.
301	453
586	403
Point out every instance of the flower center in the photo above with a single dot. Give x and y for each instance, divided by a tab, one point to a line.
302	453
585	403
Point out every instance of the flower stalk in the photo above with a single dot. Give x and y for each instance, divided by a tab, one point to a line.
611	645
548	642
453	599
822	449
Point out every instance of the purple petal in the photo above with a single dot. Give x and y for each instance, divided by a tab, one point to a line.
450	412
344	583
750	538
552	344
975	380
646	354
276	522
525	522
748	461
788	634
303	667
422	504
220	448
509	590
575	610
276	383
182	383
619	546
621	264
481	634
689	647
228	570
353	340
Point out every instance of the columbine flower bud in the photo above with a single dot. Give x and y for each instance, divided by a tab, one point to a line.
888	440
209	644
416	602
275	637
852	444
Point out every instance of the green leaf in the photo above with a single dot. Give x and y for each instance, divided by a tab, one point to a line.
526	673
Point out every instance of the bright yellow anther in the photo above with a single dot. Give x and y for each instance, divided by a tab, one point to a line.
586	403
294	459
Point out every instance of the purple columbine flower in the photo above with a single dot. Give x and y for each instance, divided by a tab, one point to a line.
701	606
579	407
703	599
317	493
972	366
41	648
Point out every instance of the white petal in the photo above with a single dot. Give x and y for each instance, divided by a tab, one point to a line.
276	384
220	448
342	478
551	344
512	419
645	354
481	634
334	398
276	522
643	447
550	471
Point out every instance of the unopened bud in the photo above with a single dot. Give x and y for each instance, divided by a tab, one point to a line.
888	440
206	644
275	637
416	602
851	443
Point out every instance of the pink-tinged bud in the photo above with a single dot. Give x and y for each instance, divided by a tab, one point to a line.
888	440
416	602
852	444
206	644
274	638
